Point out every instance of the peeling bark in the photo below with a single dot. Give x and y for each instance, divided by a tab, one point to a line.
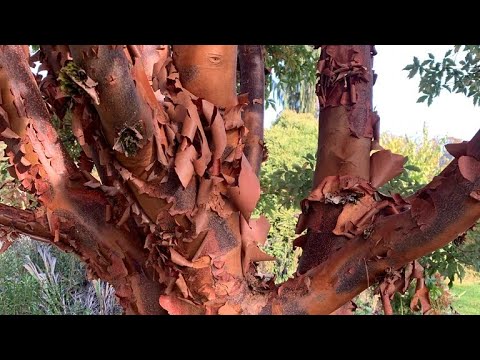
15	222
75	214
169	222
394	241
344	138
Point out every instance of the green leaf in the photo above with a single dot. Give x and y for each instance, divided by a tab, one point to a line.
412	168
413	72
421	99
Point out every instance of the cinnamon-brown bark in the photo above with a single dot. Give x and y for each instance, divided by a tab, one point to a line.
76	215
344	139
169	222
16	222
438	214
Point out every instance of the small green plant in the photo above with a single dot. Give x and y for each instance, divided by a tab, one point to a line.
52	292
128	141
74	81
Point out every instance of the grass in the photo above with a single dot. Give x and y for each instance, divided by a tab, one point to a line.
19	292
41	280
467	294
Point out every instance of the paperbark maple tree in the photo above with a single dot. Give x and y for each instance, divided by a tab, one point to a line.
167	221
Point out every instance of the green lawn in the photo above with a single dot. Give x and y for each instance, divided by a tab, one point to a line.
467	295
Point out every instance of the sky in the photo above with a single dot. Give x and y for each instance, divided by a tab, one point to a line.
395	97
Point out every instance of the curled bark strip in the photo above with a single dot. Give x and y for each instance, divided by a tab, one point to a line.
344	76
384	166
421	291
52	58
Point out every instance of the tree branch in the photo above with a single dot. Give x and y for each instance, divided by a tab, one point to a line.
32	143
252	81
208	71
345	135
84	215
132	119
437	214
15	222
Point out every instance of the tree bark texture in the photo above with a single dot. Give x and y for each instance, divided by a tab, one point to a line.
168	219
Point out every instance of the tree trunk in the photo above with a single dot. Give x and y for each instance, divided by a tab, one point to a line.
168	223
344	140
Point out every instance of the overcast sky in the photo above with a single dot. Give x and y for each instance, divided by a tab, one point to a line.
395	97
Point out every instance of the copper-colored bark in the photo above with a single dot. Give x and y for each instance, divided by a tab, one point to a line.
15	222
208	71
252	82
395	240
195	184
344	138
75	214
169	223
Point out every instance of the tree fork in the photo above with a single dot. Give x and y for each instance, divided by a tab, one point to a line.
194	256
76	215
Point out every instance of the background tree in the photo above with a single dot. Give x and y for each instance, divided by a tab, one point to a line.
291	77
458	72
168	219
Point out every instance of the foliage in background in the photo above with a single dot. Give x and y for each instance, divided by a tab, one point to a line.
19	292
285	179
292	81
458	72
467	294
424	157
286	176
